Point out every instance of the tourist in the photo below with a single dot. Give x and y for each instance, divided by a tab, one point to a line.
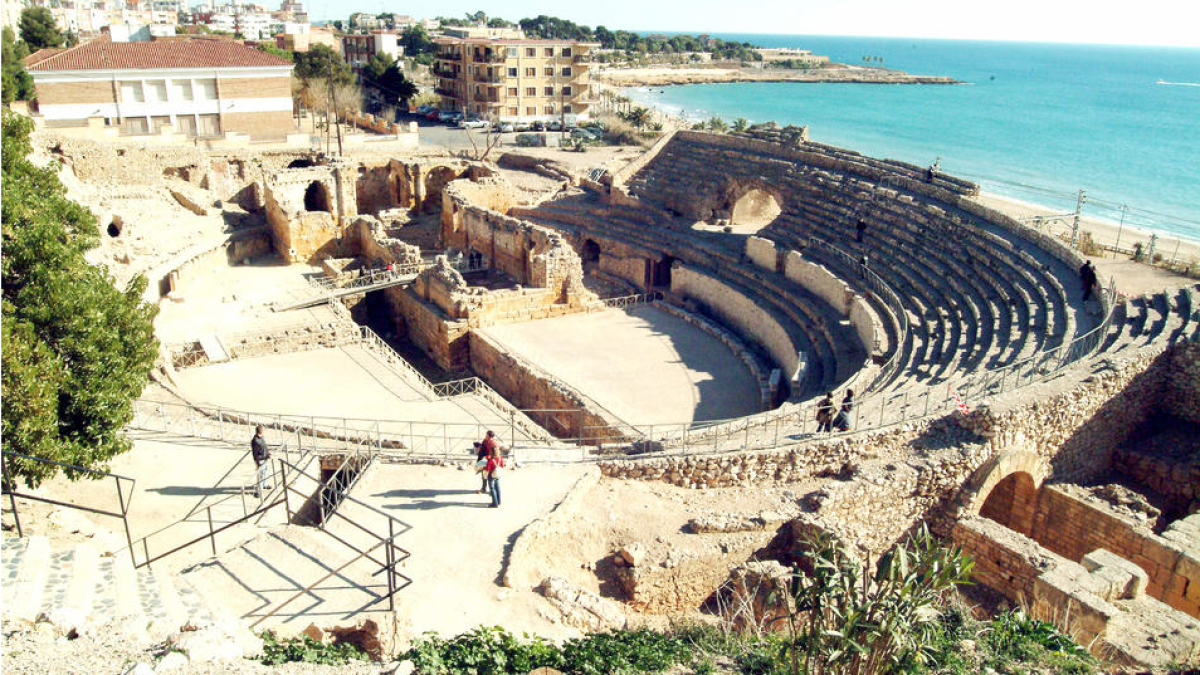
825	414
842	420
494	464
261	455
860	229
480	465
864	264
1087	277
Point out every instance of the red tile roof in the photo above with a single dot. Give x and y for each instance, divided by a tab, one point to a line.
104	54
42	55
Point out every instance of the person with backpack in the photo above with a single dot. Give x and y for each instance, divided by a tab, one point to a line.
495	464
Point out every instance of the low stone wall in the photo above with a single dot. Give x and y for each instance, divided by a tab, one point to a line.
818	281
739	312
555	406
762	252
753	468
732	343
1173	479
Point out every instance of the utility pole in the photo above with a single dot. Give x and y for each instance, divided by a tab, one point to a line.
1075	223
1117	246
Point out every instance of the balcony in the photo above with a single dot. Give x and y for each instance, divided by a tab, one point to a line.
447	93
445	72
489	57
448	56
584	59
488	79
485	98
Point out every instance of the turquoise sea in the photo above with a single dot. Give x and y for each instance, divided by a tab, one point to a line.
1037	122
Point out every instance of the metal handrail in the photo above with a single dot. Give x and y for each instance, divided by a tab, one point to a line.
388	543
8	487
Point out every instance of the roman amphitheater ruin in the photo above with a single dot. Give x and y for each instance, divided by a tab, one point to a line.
650	338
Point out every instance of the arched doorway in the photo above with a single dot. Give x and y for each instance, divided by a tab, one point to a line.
660	275
1012	502
316	197
754	210
589	255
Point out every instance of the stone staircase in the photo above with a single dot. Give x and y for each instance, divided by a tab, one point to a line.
77	588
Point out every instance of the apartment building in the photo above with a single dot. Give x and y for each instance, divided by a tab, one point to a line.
516	79
358	48
203	88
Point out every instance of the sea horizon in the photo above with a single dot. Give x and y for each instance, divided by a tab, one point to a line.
1036	122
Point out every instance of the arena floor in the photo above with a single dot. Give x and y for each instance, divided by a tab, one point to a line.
645	366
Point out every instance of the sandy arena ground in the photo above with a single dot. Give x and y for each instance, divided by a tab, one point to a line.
643	365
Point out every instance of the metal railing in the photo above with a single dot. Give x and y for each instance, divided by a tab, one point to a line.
393	554
8	482
630	301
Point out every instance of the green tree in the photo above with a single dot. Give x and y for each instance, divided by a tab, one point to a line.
325	77
740	124
384	74
39	30
76	350
17	84
285	54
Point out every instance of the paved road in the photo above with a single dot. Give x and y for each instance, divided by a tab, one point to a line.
439	135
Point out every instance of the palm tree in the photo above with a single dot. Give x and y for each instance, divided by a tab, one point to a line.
639	117
718	125
740	124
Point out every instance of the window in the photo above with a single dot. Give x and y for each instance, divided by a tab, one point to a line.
513	112
549	91
182	90
567	109
531	91
566	51
512	91
131	92
186	124
208	89
566	91
531	72
136	125
511	51
566	72
156	91
549	110
210	125
512	72
530	51
530	110
549	51
548	71
159	121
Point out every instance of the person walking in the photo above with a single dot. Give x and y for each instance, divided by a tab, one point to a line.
262	458
494	465
825	414
1087	277
860	229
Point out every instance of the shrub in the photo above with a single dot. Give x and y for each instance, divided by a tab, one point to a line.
307	650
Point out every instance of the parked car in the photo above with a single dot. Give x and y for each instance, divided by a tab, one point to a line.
538	125
433	115
450	116
522	126
506	127
473	124
585	134
554	125
424	109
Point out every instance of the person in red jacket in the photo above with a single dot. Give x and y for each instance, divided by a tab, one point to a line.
494	464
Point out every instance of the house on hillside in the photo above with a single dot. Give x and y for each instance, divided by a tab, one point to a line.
201	88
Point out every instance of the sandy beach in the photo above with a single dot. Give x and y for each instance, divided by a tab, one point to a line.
664	75
1103	231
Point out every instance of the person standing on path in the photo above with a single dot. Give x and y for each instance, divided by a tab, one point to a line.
494	464
262	457
1087	277
842	421
481	455
860	229
825	414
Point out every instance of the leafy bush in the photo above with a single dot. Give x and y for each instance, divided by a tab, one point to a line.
307	650
495	651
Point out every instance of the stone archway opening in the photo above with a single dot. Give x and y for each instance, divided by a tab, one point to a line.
316	197
435	182
590	253
1012	502
661	273
754	210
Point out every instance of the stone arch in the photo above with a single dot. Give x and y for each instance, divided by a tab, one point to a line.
1013	479
316	197
755	208
435	182
590	252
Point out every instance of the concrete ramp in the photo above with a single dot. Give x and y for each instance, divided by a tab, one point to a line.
213	349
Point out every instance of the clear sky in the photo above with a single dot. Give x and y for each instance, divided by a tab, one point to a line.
1147	22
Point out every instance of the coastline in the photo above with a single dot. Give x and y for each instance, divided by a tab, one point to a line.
1103	231
665	76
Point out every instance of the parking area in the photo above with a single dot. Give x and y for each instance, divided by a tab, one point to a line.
435	134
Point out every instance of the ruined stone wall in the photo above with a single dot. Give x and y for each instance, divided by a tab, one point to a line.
240	246
923	468
428	327
762	252
1073	527
739	312
789	465
1174	479
367	234
1182	397
558	408
301	234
